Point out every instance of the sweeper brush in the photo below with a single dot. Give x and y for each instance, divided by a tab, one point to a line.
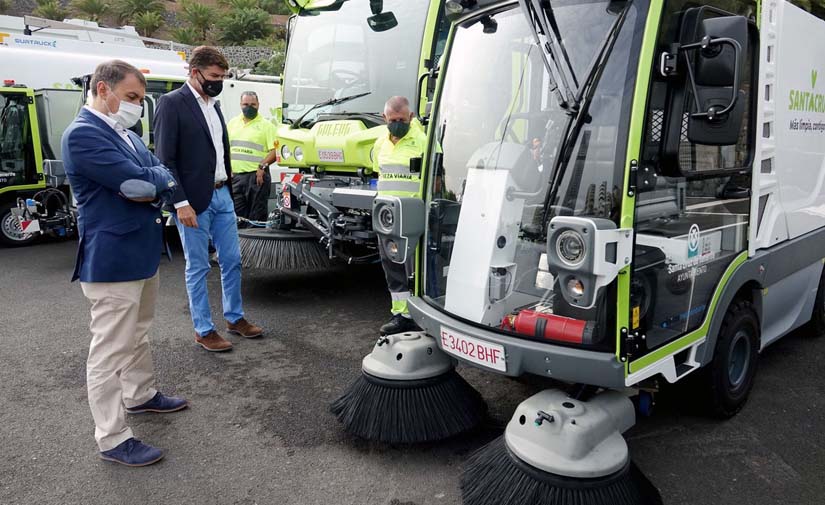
296	250
560	451
409	392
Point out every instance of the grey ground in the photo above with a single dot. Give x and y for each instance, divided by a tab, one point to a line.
258	430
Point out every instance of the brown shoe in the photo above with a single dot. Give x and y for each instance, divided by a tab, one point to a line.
244	328
213	342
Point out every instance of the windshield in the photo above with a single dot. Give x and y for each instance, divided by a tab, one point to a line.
335	55
495	150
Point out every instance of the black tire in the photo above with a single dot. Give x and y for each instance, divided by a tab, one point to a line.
817	324
729	377
8	225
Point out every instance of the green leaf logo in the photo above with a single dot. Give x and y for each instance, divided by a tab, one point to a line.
813	78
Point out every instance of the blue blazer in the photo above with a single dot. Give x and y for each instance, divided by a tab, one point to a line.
120	240
183	143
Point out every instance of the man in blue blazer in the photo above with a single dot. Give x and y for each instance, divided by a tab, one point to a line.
118	185
191	139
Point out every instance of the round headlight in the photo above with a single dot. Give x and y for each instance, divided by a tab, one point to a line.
372	153
454	7
386	218
299	154
570	248
285	152
575	287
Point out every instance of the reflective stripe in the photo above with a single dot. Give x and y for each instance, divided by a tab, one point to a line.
245	157
244	143
407	186
394	169
397	297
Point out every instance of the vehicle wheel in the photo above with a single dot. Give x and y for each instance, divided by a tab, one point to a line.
729	377
817	324
10	233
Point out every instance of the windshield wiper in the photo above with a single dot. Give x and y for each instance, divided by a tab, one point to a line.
332	101
542	21
581	104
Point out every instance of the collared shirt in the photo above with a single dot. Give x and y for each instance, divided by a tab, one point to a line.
120	130
250	142
392	161
214	122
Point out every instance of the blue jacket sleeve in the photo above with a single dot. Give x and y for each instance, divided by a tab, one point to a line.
106	165
165	128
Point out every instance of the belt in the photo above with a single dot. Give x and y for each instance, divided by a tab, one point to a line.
219	185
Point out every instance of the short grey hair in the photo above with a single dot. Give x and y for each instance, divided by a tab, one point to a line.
396	104
113	72
250	93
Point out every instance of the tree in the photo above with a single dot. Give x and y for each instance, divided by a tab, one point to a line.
244	24
147	23
128	10
274	7
236	5
5	5
274	65
93	10
50	9
186	35
200	18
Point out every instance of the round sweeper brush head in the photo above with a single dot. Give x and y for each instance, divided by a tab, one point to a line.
409	392
297	250
494	475
409	412
558	450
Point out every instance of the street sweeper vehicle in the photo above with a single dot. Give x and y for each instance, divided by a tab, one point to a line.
617	193
344	59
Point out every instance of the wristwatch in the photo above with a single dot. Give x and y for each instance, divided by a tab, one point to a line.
263	166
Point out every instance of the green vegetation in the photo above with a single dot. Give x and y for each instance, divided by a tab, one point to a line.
93	10
50	9
147	23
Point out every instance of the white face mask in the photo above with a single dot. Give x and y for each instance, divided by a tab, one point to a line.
127	115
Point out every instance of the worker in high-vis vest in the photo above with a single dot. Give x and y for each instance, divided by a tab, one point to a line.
402	140
252	148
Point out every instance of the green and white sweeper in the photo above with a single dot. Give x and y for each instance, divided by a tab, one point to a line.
616	193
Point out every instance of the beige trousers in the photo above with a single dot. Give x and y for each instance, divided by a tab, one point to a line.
119	370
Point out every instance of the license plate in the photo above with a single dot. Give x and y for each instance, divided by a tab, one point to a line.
472	349
333	155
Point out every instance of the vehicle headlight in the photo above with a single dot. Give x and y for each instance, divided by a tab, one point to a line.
575	287
299	154
570	248
372	153
386	219
285	152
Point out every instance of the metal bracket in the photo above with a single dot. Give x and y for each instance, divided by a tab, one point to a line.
633	181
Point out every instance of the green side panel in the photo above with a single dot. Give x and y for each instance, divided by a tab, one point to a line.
691	338
426	50
634	146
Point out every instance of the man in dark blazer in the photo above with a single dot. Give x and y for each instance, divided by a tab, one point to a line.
191	139
118	185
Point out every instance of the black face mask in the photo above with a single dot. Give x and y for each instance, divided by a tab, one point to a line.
398	128
250	112
211	88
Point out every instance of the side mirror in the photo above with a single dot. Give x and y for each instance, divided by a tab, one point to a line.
709	62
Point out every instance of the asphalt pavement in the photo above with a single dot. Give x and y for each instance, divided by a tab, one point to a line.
259	432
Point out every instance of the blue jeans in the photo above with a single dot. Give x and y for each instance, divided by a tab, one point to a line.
218	223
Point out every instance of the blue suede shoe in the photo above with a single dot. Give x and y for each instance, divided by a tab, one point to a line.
133	452
160	403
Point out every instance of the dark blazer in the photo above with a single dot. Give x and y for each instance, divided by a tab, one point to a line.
183	143
120	240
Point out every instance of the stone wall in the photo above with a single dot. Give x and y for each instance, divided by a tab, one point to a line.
238	56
